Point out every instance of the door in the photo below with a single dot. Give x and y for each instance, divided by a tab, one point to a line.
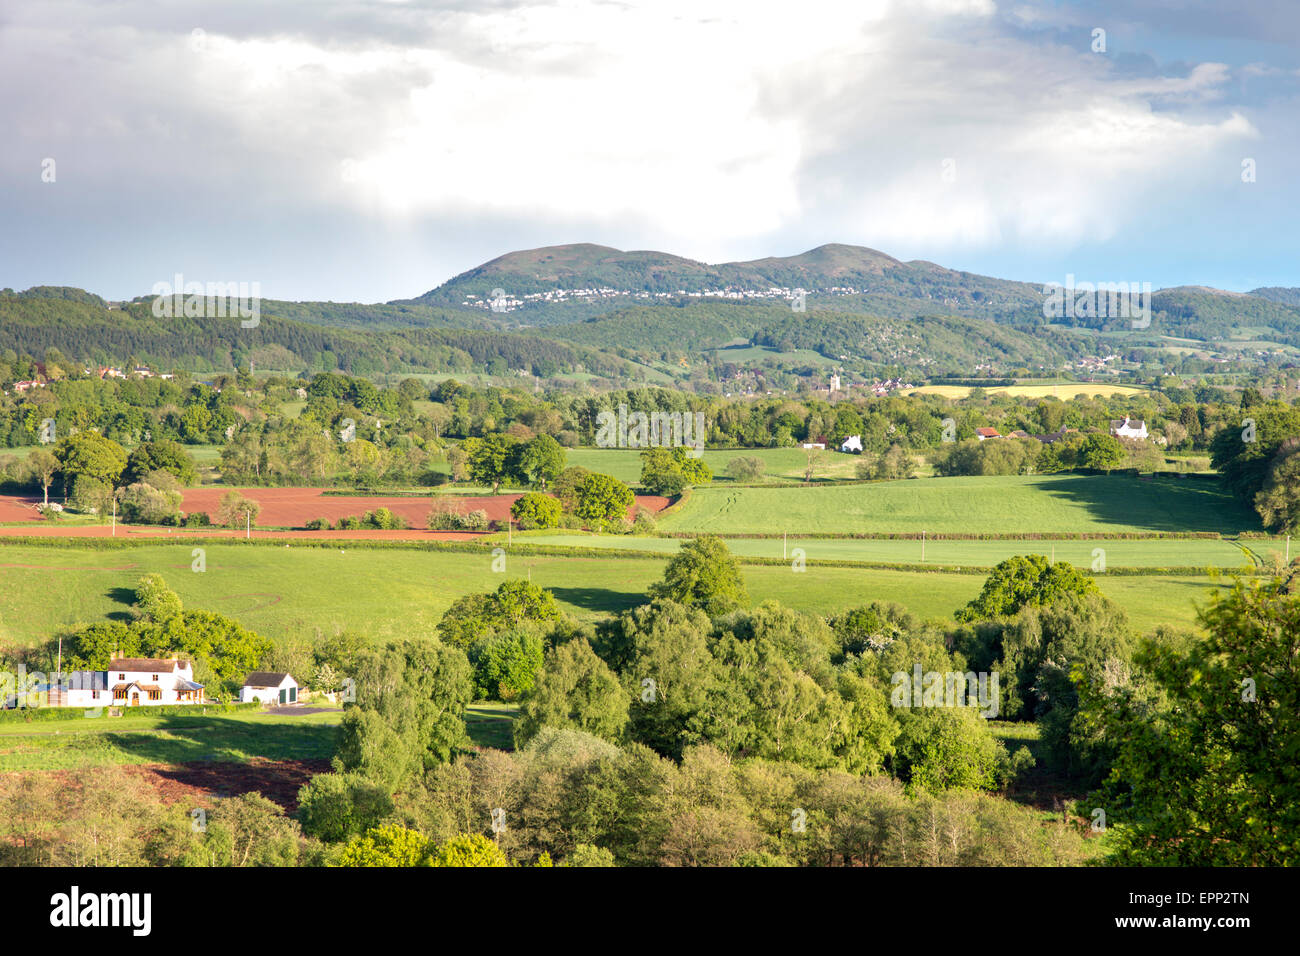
284	696
135	698
293	695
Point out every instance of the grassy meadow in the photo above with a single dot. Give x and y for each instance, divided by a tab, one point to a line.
394	593
1033	504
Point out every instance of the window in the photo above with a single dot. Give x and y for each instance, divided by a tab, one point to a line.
119	694
121	677
155	695
155	676
94	695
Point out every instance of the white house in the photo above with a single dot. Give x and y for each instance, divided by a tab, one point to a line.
128	682
852	443
135	681
1128	428
269	687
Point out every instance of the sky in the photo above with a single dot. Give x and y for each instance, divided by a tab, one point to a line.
369	151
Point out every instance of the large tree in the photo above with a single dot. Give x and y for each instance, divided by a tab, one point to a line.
704	574
1207	769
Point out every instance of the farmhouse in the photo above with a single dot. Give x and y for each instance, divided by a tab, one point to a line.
146	680
1128	428
269	687
128	682
986	433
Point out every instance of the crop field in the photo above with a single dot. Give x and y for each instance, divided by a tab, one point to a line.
394	593
1036	504
1063	390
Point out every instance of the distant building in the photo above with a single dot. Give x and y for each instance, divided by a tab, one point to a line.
269	687
1129	428
985	433
852	444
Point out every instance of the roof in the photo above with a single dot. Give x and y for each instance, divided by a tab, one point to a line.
266	679
986	432
1130	422
150	664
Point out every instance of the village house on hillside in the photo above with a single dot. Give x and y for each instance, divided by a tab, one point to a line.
985	433
1129	428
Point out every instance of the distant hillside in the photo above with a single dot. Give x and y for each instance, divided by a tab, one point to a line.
1282	294
95	334
859	275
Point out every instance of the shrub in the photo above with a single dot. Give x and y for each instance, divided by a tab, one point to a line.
535	510
318	524
149	505
746	468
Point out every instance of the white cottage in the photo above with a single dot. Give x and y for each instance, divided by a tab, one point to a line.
1129	428
852	444
137	681
269	687
128	682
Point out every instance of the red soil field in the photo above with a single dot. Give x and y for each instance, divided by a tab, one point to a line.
288	508
196	784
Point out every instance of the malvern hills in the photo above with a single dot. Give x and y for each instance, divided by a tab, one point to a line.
585	310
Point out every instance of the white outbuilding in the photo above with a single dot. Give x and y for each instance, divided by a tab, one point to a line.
269	687
852	444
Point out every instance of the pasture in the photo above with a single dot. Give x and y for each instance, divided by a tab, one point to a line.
1033	504
781	464
1118	552
389	593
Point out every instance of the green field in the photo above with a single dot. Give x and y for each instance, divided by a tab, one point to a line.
1011	505
138	738
395	593
131	739
781	463
1119	552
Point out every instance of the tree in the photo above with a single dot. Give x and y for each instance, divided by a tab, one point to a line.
489	459
408	714
507	665
515	602
146	504
535	510
1023	580
538	461
89	453
235	511
1278	503
660	473
164	455
602	499
155	601
565	486
576	689
1203	774
43	467
338	806
390	845
1102	452
703	574
470	850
